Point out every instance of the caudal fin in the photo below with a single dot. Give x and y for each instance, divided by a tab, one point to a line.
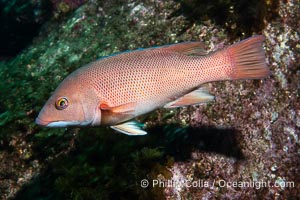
248	59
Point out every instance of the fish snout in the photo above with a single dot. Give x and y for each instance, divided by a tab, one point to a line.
41	122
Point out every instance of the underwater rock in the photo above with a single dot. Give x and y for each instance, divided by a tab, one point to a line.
62	7
266	116
20	22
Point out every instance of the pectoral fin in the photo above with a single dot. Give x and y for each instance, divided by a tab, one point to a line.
131	128
128	107
198	96
113	115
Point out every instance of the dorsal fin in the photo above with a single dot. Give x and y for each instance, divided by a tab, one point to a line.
188	48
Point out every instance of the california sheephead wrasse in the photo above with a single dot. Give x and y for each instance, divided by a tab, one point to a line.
113	90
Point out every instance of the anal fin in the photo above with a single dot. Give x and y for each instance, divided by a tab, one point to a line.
201	95
131	128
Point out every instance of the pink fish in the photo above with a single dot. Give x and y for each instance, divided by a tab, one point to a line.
116	89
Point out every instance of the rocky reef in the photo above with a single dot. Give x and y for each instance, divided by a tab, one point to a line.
244	145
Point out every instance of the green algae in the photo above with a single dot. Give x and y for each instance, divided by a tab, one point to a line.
98	170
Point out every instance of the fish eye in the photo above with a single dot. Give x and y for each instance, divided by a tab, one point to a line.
61	103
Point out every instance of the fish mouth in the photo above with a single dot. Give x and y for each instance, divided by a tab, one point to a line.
41	122
60	124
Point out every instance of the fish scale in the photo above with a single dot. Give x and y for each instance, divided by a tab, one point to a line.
141	77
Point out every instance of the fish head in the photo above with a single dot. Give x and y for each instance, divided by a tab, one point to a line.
70	105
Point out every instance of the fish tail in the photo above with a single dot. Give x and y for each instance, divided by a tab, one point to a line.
248	59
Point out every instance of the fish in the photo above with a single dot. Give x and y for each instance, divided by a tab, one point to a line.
114	90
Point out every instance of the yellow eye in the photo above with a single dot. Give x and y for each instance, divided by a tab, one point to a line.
61	103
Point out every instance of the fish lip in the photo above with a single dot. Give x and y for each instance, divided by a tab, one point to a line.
41	122
60	124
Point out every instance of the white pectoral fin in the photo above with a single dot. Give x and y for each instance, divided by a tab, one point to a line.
201	95
131	128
